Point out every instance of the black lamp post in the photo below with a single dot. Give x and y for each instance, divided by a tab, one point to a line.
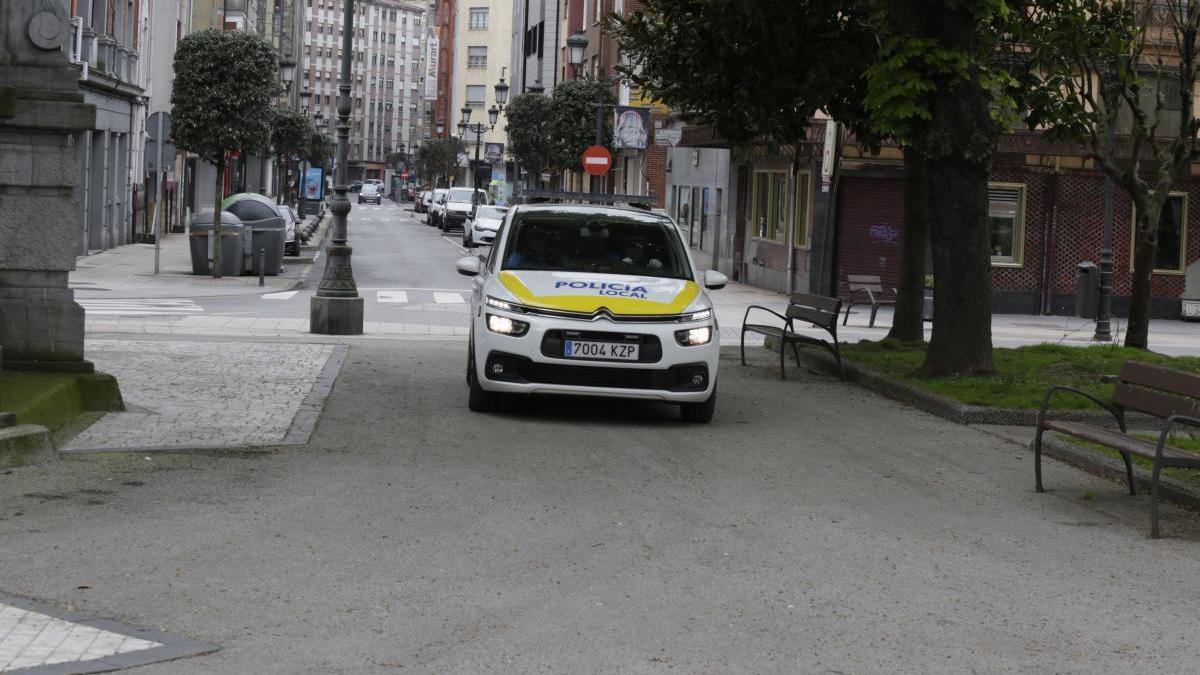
337	309
576	47
478	129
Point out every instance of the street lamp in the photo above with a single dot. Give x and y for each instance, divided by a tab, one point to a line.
287	73
337	309
305	95
576	46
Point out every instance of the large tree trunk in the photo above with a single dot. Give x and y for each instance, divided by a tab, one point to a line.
217	194
908	323
1137	330
959	148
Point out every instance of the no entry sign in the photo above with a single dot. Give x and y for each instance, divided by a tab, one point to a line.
597	160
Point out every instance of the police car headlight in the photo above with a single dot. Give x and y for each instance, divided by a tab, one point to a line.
702	315
694	336
506	326
497	303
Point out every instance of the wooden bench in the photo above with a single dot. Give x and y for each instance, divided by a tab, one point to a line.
817	310
1170	395
867	290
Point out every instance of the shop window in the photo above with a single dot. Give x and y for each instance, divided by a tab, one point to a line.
1006	223
761	205
803	203
683	202
1172	236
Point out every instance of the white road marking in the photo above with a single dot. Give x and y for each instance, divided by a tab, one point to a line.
391	296
284	295
139	307
456	243
448	298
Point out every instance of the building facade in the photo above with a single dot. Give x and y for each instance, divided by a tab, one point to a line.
482	52
387	74
105	45
536	37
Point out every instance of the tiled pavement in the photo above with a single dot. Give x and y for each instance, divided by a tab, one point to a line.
196	394
38	638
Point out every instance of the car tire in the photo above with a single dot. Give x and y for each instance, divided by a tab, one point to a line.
478	399
700	413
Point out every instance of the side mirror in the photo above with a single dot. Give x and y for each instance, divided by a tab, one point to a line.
468	266
714	280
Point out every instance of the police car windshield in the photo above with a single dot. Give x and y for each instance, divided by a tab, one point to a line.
573	241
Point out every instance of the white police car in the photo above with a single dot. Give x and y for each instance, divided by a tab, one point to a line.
596	301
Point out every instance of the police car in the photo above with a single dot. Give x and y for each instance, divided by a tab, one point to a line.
595	301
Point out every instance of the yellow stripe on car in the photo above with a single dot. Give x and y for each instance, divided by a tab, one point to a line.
586	304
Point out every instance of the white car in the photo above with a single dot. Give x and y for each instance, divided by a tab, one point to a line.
483	227
459	204
437	203
592	301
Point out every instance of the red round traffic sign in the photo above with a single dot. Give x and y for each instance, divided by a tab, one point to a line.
597	160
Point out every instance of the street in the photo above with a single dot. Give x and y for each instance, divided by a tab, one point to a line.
811	528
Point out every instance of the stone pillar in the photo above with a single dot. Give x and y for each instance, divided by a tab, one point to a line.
41	110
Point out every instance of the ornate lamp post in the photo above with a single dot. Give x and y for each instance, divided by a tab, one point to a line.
479	129
337	309
576	47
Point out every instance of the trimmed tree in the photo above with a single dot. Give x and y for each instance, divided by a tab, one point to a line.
529	140
573	121
221	102
439	157
290	138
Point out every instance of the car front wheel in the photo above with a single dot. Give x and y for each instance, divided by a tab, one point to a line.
478	399
700	413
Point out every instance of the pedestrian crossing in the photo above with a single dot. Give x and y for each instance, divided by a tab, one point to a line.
420	296
140	307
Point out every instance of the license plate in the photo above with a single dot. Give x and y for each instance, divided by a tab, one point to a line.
610	351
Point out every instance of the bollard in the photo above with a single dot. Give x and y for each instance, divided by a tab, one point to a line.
262	267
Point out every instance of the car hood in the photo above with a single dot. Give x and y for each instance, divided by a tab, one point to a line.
487	223
587	293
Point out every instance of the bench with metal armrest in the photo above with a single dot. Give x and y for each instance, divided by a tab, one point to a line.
1170	395
867	290
818	310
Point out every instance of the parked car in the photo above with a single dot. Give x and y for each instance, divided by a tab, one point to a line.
291	242
371	192
459	204
592	301
436	205
419	205
482	228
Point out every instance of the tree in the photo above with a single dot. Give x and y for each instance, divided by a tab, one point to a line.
320	149
439	157
920	73
1101	66
529	139
290	138
221	102
573	121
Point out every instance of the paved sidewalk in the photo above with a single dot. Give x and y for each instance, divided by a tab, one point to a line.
187	394
128	272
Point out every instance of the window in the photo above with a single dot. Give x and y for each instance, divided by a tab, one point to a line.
596	10
477	57
1006	223
1172	236
476	94
769	208
479	17
803	198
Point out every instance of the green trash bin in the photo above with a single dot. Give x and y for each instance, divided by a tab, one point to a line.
200	236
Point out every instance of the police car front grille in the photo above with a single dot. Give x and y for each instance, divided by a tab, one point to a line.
513	368
600	314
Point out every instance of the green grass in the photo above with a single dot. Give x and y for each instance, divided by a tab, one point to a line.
1182	439
1022	374
53	399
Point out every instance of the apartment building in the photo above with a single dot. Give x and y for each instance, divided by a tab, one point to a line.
536	38
482	53
106	40
387	75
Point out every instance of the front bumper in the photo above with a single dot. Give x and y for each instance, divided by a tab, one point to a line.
454	219
533	363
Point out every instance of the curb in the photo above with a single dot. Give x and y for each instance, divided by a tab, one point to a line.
25	444
1077	456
